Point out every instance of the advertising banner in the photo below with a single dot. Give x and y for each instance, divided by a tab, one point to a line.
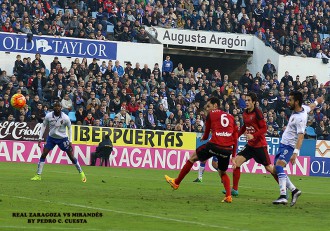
129	157
200	38
322	149
301	168
134	137
307	149
320	167
20	131
29	152
58	46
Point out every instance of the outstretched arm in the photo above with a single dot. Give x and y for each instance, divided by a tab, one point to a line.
319	100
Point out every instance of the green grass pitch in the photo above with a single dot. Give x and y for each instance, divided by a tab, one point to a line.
140	199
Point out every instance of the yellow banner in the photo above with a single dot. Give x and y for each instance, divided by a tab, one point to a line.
134	137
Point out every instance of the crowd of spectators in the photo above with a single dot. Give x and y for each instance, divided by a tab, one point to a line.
298	27
172	98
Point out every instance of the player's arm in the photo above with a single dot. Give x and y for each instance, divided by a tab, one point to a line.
42	131
241	131
235	137
301	126
318	101
69	130
207	128
297	148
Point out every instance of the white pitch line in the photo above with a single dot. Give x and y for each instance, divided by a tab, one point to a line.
128	213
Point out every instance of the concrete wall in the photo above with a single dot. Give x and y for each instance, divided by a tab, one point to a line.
304	67
295	65
260	55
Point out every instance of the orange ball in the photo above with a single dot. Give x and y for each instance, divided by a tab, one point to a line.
18	101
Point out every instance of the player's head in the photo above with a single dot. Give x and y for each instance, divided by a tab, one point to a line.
250	100
295	99
57	108
212	104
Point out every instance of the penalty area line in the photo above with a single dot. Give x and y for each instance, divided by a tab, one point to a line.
127	213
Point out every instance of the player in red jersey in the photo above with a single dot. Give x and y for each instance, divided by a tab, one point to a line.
254	129
222	144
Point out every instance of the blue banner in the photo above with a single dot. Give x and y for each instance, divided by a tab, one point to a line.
320	166
69	47
307	149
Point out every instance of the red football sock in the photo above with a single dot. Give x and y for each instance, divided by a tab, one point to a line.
184	171
275	177
226	183
236	177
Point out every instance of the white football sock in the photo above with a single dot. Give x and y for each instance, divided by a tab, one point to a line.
201	172
289	184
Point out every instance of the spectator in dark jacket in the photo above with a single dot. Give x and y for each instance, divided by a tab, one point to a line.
268	69
142	36
126	35
286	78
103	151
38	84
94	66
246	80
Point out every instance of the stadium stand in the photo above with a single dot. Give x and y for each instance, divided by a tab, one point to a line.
289	27
299	28
181	97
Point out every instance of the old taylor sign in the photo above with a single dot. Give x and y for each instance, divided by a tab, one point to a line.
203	38
58	46
20	131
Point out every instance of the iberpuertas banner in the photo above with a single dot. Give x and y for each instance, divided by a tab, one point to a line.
208	39
58	46
91	135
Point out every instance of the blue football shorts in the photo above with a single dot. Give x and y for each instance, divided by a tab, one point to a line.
284	153
63	144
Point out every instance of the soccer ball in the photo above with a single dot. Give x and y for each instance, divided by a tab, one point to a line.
18	101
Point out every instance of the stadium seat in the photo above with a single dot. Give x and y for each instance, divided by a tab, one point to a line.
168	113
310	132
110	28
72	116
112	116
132	117
70	10
58	9
94	14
